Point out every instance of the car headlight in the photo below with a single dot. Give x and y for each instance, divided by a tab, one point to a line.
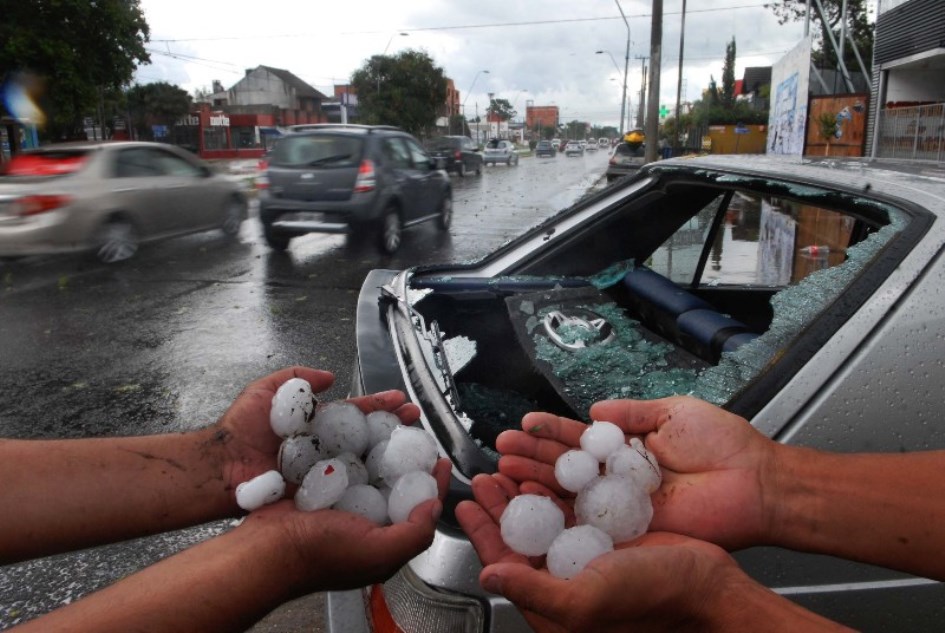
415	607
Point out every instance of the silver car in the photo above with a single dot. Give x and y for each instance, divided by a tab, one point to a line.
500	151
803	296
110	197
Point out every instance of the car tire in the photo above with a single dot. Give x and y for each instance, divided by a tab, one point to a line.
275	242
461	169
233	217
115	241
445	218
391	232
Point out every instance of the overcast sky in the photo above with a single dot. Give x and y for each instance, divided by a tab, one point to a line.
538	50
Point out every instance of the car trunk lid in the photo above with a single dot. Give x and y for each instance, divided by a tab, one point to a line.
315	167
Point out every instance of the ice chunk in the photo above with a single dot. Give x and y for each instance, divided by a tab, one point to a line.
297	455
260	490
636	462
575	469
342	428
380	425
292	408
574	548
373	463
601	439
366	501
357	472
410	449
322	486
616	505
411	490
530	523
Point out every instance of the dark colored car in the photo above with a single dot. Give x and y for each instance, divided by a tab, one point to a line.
804	296
459	153
342	178
627	158
545	148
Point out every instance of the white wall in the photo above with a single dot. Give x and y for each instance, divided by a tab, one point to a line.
915	85
261	87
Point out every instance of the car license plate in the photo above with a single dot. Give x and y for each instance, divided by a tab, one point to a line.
303	216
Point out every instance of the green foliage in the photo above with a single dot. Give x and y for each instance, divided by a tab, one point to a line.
82	51
727	96
858	26
153	104
406	90
502	108
575	130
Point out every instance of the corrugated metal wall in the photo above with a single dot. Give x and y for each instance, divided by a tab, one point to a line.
914	27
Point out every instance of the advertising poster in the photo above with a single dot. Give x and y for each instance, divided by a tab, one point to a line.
787	119
776	235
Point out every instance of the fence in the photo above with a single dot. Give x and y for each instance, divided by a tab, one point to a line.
915	132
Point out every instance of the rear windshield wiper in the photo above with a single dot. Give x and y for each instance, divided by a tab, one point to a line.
330	159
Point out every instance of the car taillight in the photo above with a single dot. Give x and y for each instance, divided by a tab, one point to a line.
365	181
34	205
262	177
458	155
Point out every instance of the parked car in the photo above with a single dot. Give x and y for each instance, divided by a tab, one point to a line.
500	151
626	158
341	178
573	148
545	148
110	197
459	153
803	296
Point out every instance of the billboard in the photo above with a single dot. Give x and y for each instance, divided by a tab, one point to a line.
787	119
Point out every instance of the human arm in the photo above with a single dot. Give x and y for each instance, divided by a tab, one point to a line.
70	494
661	581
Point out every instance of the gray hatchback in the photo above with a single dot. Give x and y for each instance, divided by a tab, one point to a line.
342	178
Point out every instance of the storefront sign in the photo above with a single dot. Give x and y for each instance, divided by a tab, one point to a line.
220	121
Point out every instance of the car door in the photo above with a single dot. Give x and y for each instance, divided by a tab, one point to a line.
188	198
425	180
136	189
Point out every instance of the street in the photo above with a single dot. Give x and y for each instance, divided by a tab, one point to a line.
165	341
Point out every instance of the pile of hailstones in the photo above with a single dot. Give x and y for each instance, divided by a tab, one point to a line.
610	508
370	465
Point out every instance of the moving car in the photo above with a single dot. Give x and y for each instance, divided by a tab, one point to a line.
334	178
459	153
545	148
626	159
591	147
500	151
804	296
573	148
603	142
109	197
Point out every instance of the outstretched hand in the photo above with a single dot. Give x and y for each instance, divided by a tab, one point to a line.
715	465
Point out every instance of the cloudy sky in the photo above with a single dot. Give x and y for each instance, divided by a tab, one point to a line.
537	50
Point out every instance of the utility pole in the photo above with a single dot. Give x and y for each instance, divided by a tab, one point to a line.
653	107
682	37
642	105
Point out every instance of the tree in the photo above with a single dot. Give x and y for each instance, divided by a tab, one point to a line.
81	50
159	103
858	27
406	90
827	126
727	96
502	109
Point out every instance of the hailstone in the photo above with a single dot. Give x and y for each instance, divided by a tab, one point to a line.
342	428
616	505
297	455
260	490
574	548
364	500
373	463
575	469
357	473
380	426
322	486
636	462
292	408
530	523
411	490
409	449
601	439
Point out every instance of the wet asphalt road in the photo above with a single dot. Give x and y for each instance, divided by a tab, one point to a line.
165	341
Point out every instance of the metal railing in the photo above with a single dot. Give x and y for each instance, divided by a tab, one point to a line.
915	133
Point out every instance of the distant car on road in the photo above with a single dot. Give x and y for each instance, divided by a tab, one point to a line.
591	147
545	148
603	142
109	197
500	151
626	159
338	178
573	148
459	153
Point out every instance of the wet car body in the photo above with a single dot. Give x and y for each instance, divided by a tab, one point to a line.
108	197
545	148
573	148
801	295
460	154
500	151
626	158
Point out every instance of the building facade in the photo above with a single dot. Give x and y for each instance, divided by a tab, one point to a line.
541	117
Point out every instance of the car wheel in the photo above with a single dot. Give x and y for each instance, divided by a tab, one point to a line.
446	212
116	241
391	231
233	217
275	242
461	170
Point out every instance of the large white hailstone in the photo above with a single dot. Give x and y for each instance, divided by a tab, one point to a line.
357	472
260	490
364	500
292	408
575	469
530	524
322	486
380	426
373	463
411	490
342	428
574	548
601	439
409	449
297	455
636	462
616	505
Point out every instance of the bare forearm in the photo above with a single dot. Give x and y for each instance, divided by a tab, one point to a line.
884	509
65	494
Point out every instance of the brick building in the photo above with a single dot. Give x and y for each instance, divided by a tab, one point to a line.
541	116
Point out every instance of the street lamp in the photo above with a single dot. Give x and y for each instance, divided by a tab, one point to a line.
623	101
626	66
384	54
467	96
